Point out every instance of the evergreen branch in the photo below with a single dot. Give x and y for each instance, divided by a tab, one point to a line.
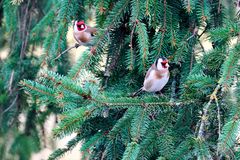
202	150
229	134
122	123
92	141
140	123
31	86
155	13
131	151
116	14
68	49
201	45
46	20
66	83
11	82
219	6
61	151
173	90
195	33
188	6
12	104
72	121
149	104
82	65
143	44
229	67
147	8
57	153
183	149
76	69
164	27
131	44
192	59
219	124
204	118
46	47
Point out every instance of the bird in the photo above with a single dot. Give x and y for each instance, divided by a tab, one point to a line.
83	33
156	78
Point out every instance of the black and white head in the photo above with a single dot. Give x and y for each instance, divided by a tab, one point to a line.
162	63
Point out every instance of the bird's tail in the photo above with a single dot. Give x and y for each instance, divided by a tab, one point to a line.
137	92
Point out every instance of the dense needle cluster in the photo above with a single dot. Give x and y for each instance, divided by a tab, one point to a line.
197	118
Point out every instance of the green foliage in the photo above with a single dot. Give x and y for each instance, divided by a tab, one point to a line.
229	134
198	116
143	46
116	14
73	119
24	146
131	151
9	15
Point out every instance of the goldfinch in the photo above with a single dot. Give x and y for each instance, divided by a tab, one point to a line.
156	77
82	33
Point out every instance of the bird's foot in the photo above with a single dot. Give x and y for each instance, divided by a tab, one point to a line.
160	94
77	45
93	50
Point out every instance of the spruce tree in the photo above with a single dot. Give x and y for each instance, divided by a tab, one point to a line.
198	116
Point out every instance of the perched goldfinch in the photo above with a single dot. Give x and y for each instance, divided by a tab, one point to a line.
82	33
156	77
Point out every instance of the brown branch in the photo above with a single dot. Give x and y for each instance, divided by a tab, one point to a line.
219	6
147	8
12	104
195	31
149	104
188	7
204	118
131	42
10	82
75	46
173	90
191	62
219	124
201	45
24	26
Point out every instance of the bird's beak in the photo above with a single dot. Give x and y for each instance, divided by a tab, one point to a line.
165	64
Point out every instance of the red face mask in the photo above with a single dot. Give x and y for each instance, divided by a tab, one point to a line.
81	25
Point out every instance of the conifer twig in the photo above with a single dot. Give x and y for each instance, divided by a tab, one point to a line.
148	104
164	26
35	88
204	118
219	123
10	82
131	36
75	46
12	104
195	31
201	45
80	68
173	90
219	6
131	43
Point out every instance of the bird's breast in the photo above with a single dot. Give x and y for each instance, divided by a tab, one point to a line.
83	36
155	83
